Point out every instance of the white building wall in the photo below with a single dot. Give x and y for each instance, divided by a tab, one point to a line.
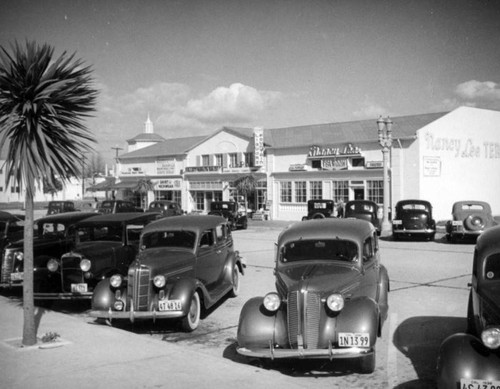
460	159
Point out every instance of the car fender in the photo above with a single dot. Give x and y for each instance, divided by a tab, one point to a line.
103	296
464	356
383	295
183	289
258	328
359	315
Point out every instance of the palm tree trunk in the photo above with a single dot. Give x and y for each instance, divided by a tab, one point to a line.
29	327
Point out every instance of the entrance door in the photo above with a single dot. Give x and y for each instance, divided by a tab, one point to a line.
359	193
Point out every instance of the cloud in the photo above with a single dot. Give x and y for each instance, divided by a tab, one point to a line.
480	94
237	104
370	110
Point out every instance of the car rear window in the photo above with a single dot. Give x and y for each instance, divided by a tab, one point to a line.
492	267
180	239
472	207
420	207
334	249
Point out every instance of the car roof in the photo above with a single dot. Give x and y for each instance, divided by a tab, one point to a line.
120	218
484	204
361	202
198	223
328	228
489	241
7	216
412	201
65	216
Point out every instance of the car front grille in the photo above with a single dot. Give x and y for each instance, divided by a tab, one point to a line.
303	319
7	264
138	287
71	273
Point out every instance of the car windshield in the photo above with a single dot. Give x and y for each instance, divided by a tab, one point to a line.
361	207
332	249
492	268
179	239
100	233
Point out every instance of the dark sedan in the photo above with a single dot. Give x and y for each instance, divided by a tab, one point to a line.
413	219
472	359
363	210
104	245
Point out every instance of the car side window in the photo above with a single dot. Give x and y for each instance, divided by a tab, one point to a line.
492	267
207	239
368	249
220	233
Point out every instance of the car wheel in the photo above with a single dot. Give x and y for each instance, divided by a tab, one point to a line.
191	321
318	216
244	224
367	363
235	291
474	223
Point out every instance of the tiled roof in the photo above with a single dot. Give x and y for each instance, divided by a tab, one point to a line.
145	137
339	133
167	147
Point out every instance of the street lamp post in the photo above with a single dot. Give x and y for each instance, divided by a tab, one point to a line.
385	141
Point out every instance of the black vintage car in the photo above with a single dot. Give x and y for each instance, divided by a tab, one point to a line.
319	209
11	228
166	208
232	211
185	263
60	207
472	359
413	219
104	245
363	210
469	219
117	206
331	296
53	236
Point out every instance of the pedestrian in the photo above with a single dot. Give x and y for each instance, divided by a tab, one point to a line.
340	208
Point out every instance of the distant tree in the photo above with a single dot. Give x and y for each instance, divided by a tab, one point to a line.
143	187
43	101
246	185
52	188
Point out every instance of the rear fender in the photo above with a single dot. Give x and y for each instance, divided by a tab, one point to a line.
258	328
464	356
383	295
359	315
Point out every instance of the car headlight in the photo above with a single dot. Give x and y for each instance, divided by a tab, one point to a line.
52	265
491	337
116	280
19	256
85	265
335	302
272	301
159	281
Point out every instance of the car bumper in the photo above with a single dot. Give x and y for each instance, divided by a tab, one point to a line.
135	315
63	296
301	353
419	232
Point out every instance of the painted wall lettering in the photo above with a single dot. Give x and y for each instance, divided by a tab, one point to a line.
460	148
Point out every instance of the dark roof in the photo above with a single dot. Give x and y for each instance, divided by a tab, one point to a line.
146	137
124	217
71	217
175	146
197	223
341	133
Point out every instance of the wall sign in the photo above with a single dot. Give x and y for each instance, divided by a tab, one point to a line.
317	151
432	167
165	166
334	163
258	139
168	184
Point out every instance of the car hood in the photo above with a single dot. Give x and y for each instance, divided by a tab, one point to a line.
96	250
166	261
491	295
320	277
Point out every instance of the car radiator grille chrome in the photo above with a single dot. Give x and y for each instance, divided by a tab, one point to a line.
303	319
138	284
7	264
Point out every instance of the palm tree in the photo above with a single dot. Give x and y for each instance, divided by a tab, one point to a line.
143	187
246	185
43	101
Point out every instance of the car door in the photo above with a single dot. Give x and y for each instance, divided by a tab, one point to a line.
371	266
210	256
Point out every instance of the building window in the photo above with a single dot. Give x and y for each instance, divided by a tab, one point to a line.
200	201
286	192
376	191
218	160
358	162
315	190
233	160
340	191
249	160
300	191
316	164
14	189
205	160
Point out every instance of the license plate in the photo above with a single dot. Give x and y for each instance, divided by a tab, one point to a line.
466	383
349	339
78	288
170	305
397	222
456	223
16	276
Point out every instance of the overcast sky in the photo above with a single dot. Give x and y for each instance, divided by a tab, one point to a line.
195	66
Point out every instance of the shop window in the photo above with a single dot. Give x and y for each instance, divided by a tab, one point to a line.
233	160
205	160
315	190
249	160
219	160
300	191
340	191
200	201
316	164
358	162
286	192
376	191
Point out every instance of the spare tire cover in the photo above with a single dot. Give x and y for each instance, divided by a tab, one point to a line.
474	222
